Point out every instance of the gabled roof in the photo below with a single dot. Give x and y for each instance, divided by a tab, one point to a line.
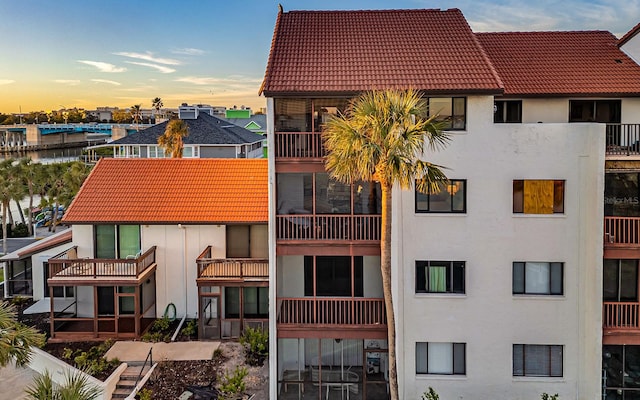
351	51
629	35
172	191
587	63
205	130
257	120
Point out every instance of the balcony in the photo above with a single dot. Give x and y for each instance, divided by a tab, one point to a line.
621	232
621	316
299	145
623	139
231	268
309	227
68	265
332	312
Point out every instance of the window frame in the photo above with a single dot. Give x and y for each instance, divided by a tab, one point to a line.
427	199
503	119
518	195
523	366
454	366
615	113
116	237
450	278
551	265
450	118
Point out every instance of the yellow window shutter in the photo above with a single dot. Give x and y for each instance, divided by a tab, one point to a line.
538	197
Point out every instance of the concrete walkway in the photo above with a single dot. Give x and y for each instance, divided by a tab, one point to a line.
177	351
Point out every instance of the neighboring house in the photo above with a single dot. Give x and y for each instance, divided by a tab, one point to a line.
209	137
497	278
176	237
19	266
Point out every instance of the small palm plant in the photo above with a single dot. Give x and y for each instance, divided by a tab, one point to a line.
75	387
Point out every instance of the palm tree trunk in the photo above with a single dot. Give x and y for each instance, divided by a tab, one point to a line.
385	267
20	211
30	212
5	206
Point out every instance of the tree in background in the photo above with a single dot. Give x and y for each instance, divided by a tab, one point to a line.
121	116
171	141
10	187
136	114
382	137
157	104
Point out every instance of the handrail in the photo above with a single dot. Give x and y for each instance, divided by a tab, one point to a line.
622	139
67	264
150	359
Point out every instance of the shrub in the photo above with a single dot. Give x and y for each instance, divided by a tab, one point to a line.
546	396
92	361
145	394
430	395
19	230
256	345
159	331
191	328
233	384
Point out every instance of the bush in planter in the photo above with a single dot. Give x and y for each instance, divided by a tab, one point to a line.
256	345
430	395
232	385
191	329
159	331
546	396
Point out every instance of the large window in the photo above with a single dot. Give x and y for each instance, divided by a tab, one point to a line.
595	111
335	276
451	197
441	358
450	110
537	196
538	278
117	241
620	280
507	111
620	370
622	194
537	360
439	276
256	302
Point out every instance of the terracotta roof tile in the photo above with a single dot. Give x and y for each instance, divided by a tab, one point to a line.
188	191
587	63
351	51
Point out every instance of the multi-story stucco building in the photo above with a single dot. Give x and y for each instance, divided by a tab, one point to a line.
497	278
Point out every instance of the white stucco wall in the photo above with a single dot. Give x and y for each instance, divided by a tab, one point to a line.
37	261
489	237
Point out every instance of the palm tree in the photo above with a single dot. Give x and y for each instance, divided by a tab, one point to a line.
32	175
16	339
382	137
171	140
157	104
75	387
136	114
10	187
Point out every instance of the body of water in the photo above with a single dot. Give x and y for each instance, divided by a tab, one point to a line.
48	156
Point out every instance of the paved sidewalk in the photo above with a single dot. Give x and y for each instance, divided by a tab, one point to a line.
178	351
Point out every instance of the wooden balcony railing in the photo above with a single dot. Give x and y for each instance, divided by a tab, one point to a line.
299	145
331	311
328	227
621	231
231	267
619	315
623	139
67	264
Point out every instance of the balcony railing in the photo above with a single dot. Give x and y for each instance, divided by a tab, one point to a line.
619	315
67	264
623	139
328	227
238	268
331	311
621	231
299	145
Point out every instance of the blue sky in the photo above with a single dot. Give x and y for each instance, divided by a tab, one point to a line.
88	53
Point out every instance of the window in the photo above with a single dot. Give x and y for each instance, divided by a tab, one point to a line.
157	152
450	110
441	358
539	196
333	276
542	278
622	194
117	241
439	276
604	111
507	111
620	280
450	198
537	360
256	302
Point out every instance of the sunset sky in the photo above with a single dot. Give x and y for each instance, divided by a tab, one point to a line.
72	53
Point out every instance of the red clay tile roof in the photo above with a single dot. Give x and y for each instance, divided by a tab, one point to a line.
170	191
587	63
627	36
351	51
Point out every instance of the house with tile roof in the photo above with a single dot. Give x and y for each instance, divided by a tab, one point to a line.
497	278
185	238
209	137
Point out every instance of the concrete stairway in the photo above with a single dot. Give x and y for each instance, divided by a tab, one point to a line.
128	378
